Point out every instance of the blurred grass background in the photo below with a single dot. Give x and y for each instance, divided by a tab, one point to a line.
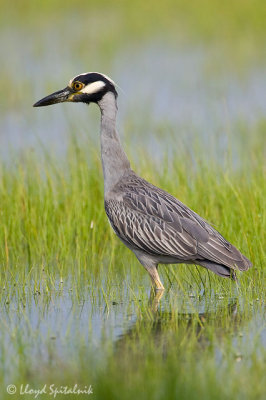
233	22
74	301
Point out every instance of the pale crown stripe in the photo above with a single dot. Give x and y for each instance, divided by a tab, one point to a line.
85	73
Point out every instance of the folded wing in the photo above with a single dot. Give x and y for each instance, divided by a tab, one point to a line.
150	219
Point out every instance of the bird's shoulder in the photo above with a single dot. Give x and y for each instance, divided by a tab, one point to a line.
143	222
137	195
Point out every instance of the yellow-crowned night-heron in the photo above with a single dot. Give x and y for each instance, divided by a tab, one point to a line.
156	226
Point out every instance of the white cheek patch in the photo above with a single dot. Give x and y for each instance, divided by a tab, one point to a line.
86	73
93	87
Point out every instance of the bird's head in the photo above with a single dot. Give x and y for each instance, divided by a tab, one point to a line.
86	88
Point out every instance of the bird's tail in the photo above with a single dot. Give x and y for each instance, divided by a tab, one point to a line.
219	269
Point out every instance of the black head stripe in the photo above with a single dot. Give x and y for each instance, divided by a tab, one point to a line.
90	78
90	98
95	77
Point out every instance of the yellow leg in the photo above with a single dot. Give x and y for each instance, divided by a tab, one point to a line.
151	267
154	300
156	281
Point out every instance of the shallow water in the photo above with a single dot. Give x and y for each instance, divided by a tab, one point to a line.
57	325
167	91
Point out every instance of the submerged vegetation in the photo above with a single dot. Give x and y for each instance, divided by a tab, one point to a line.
76	306
57	250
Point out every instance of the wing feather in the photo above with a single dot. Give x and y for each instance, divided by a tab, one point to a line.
149	233
150	219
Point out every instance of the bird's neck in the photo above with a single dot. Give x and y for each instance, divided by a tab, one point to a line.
114	160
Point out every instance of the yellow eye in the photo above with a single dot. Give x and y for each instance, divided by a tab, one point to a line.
77	86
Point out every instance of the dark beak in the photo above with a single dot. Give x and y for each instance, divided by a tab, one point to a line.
57	97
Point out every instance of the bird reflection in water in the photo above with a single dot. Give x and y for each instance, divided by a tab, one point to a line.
167	331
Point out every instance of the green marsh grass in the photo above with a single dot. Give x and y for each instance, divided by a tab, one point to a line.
62	269
75	303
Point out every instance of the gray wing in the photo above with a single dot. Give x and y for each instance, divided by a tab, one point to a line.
148	232
150	219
